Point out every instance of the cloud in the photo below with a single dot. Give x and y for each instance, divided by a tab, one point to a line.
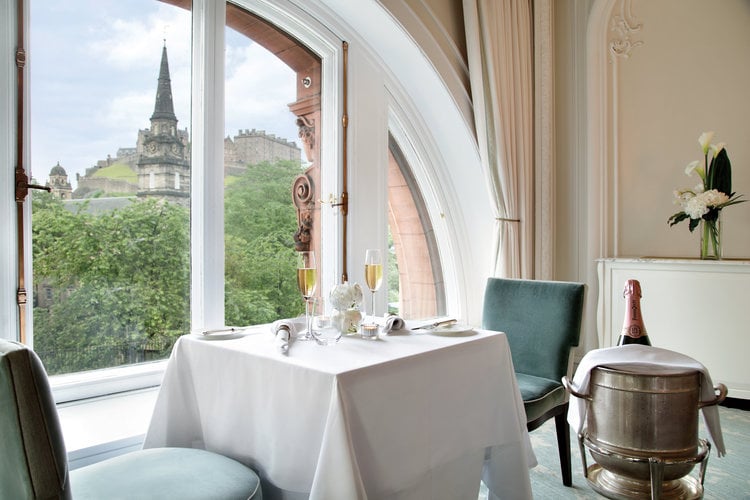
95	71
258	89
126	43
129	111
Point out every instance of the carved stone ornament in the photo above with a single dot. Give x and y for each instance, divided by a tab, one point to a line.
302	195
307	135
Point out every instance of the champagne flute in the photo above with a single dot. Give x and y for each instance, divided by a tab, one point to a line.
373	274
307	281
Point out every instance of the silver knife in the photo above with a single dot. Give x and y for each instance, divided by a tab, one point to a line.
227	329
431	326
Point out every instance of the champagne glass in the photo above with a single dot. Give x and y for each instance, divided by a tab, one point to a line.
373	274
307	281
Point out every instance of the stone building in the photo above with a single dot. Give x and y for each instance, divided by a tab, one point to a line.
249	147
59	183
163	166
160	162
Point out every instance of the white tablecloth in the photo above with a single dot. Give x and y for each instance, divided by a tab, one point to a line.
407	416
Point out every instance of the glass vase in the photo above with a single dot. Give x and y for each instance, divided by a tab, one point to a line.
348	320
711	239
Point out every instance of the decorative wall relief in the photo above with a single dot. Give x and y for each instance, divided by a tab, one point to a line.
307	135
303	190
302	194
623	26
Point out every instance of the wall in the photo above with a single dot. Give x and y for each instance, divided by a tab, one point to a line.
437	26
675	68
627	124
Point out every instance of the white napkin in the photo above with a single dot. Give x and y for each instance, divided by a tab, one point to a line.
390	323
285	330
634	357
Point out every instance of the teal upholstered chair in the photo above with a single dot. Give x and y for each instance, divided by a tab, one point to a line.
33	461
542	320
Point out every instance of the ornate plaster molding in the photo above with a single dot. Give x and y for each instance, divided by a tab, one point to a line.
623	26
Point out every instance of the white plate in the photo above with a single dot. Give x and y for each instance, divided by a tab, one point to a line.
454	330
219	335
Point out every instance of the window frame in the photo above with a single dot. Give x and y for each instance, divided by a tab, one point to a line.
207	187
396	102
207	240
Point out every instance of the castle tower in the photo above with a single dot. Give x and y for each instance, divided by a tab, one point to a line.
59	182
164	164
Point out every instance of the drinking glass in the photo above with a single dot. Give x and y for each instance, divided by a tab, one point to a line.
325	329
373	275
307	281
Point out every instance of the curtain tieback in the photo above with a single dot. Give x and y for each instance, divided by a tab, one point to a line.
505	219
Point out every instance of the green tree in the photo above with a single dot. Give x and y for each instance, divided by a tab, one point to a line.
120	282
260	268
121	279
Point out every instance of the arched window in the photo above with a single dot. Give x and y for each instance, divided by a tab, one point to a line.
206	281
420	282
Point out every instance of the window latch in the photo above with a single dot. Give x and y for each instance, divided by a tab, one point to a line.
23	186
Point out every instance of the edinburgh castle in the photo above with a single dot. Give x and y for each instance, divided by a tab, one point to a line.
159	164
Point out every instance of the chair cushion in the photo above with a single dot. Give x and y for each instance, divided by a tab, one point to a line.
166	473
539	395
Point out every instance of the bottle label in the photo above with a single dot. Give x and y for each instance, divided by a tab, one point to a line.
633	331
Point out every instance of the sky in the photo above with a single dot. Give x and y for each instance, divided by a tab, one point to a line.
94	66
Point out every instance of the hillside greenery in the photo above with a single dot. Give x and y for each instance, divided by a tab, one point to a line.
117	171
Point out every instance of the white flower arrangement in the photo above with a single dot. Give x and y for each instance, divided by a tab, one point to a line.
705	201
346	296
713	193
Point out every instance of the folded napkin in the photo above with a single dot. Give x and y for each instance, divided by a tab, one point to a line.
285	331
634	357
390	323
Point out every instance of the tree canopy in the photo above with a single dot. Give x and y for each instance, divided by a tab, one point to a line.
120	281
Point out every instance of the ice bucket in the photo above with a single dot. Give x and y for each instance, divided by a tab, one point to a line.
642	424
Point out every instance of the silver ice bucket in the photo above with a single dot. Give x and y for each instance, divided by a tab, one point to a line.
642	428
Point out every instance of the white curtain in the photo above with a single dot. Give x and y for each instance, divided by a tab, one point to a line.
499	36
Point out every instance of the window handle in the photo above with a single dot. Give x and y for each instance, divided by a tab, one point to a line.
23	186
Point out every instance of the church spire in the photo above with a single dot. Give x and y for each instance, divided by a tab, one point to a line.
164	108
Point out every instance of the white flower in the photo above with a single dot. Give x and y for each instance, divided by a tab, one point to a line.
716	148
691	167
695	207
713	198
346	296
705	140
695	166
698	205
681	197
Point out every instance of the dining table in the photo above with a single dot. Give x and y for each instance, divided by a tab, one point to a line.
411	415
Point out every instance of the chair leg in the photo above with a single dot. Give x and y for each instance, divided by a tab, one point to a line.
563	447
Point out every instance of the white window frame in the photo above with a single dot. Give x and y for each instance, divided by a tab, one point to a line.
207	196
405	90
209	20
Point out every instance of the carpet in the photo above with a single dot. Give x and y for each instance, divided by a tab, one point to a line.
726	478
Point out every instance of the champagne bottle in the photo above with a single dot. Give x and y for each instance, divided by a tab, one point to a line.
633	329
